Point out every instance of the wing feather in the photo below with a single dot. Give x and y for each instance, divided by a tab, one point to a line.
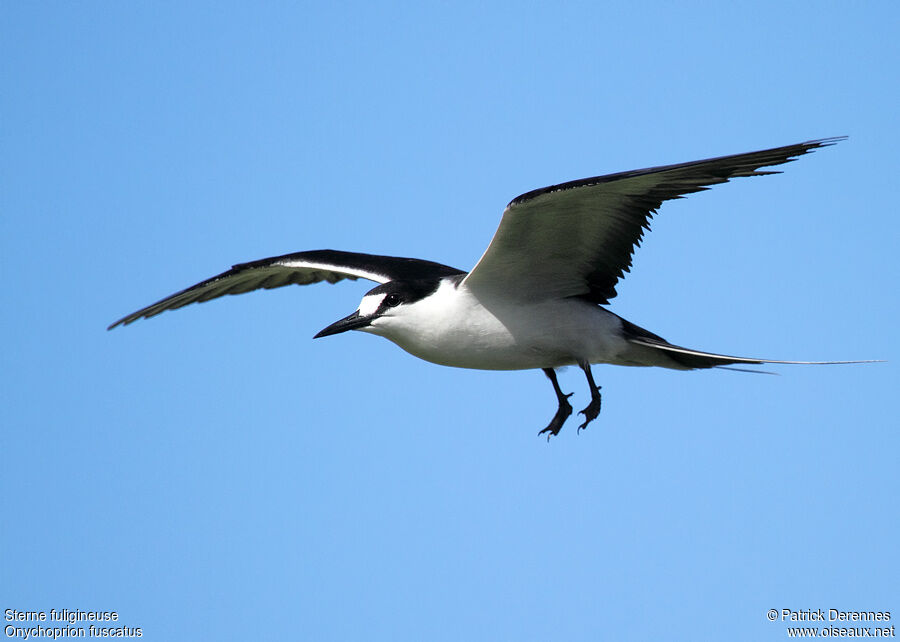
300	268
577	238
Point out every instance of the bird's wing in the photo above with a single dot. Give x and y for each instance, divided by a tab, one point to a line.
300	268
577	238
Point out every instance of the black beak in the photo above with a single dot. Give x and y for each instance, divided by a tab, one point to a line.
351	322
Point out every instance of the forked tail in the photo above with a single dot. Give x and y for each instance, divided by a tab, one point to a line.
697	359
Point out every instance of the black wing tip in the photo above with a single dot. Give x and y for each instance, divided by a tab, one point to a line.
817	143
115	324
127	320
826	142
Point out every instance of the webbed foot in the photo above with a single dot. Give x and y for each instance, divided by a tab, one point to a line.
565	409
593	409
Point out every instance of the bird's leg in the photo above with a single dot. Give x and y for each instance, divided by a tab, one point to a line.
564	410
593	409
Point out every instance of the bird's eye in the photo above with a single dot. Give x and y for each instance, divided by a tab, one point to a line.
392	300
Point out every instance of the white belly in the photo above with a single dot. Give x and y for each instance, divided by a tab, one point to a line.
455	329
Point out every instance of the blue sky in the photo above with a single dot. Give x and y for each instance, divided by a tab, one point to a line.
215	474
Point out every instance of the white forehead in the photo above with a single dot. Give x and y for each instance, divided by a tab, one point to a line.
370	304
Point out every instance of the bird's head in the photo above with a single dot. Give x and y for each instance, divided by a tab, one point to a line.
389	307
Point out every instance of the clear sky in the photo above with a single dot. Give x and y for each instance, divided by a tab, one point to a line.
214	473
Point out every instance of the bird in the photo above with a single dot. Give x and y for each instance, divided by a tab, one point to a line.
536	297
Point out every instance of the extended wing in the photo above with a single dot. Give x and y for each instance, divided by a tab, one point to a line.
577	238
300	268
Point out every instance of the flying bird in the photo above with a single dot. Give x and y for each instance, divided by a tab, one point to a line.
534	299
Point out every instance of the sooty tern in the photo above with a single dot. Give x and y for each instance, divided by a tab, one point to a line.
533	299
